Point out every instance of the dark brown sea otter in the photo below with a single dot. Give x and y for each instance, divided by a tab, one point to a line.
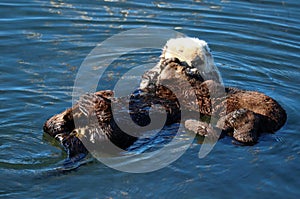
92	120
242	114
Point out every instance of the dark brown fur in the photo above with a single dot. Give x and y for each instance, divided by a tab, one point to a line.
246	114
242	114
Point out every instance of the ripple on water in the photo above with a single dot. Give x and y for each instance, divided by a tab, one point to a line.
43	43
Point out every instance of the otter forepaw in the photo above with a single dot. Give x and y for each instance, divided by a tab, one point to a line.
166	62
200	128
71	143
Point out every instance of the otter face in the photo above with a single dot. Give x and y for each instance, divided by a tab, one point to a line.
183	58
192	51
60	123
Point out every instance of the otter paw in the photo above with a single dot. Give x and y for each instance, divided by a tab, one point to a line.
245	124
72	144
166	62
200	128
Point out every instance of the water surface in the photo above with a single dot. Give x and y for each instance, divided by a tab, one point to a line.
43	43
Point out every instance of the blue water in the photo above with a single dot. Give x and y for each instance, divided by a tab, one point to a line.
43	43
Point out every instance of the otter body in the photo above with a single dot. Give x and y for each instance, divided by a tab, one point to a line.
243	114
188	69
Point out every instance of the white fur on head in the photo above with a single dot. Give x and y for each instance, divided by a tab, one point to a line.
193	51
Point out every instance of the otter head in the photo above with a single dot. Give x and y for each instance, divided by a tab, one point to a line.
182	58
192	51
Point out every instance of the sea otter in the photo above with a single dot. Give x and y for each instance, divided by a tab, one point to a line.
92	120
242	114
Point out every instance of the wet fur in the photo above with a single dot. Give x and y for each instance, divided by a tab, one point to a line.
248	114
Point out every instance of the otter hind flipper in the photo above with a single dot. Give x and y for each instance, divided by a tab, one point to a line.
245	125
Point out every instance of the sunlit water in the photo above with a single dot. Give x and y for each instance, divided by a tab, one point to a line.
43	43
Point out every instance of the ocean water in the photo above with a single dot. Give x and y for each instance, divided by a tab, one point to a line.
43	44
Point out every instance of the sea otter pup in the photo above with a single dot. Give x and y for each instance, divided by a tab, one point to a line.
242	114
91	121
